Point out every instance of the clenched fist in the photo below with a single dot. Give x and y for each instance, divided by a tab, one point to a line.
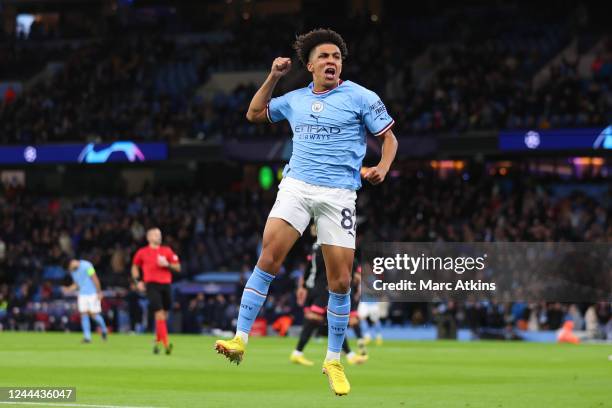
375	175
280	66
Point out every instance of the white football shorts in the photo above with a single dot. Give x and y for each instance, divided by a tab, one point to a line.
369	310
89	304
333	210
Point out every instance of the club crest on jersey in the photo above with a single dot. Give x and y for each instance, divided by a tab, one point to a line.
317	106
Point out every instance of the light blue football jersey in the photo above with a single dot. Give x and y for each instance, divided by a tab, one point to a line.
329	132
82	277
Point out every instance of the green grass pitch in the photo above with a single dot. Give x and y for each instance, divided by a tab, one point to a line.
124	372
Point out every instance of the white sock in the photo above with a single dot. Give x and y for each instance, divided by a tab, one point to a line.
243	336
332	355
297	353
350	355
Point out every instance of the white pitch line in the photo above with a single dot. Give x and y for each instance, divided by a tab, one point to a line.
59	404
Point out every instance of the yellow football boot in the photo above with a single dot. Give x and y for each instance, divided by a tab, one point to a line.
233	349
301	360
336	377
356	359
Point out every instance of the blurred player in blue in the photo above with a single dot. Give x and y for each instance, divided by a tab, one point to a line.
90	295
330	119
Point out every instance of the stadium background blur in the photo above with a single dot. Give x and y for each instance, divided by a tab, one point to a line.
456	79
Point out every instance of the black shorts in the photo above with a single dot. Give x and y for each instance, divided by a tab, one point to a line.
159	296
316	301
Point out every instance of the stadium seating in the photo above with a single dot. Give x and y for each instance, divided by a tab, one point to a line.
147	87
217	234
439	72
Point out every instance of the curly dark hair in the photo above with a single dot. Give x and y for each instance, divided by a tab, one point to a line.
307	42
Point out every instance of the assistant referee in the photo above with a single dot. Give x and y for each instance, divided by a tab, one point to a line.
157	263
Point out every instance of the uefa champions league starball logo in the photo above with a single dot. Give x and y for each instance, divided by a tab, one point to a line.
532	139
317	106
30	154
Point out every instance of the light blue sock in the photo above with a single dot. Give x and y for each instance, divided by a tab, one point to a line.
338	309
253	297
100	320
377	328
86	327
365	327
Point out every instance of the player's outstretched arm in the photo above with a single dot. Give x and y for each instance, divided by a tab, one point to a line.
376	175
259	103
135	273
71	288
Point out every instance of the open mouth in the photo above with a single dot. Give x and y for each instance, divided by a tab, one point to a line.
330	73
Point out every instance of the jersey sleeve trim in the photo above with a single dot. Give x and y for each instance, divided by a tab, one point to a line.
268	113
389	126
